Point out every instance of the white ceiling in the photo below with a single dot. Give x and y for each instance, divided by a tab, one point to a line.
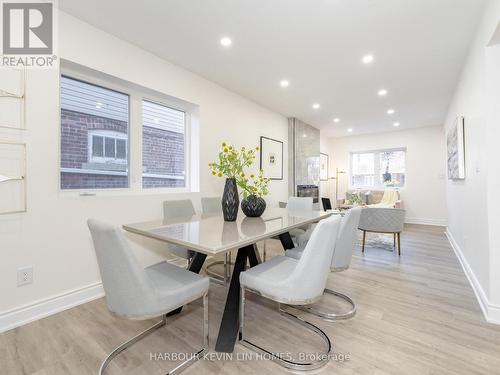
419	48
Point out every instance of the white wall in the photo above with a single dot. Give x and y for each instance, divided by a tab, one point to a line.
473	203
424	193
52	236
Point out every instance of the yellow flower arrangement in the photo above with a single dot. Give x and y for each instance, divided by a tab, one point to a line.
232	164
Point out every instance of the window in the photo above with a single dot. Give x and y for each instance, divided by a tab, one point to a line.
119	135
378	169
163	146
94	136
107	147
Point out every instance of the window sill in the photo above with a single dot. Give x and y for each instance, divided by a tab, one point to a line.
89	193
375	188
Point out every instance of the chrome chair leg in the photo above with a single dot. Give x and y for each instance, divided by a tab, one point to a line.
153	328
323	357
330	316
218	278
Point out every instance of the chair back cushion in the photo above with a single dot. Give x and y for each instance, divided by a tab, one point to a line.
300	204
378	219
308	279
127	287
211	205
178	208
346	241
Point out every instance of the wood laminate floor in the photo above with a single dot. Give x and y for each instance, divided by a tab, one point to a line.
416	315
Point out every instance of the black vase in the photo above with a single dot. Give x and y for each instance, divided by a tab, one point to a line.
230	200
253	206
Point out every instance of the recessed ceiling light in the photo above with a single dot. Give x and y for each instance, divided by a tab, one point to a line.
382	92
156	120
284	83
336	120
226	42
367	59
99	105
396	124
390	111
349	130
316	106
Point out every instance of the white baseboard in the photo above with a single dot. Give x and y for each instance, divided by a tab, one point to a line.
426	221
52	305
491	312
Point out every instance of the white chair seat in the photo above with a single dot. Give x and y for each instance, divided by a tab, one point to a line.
174	286
294	253
269	278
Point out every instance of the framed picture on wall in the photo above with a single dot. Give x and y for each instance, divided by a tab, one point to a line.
455	140
323	167
271	158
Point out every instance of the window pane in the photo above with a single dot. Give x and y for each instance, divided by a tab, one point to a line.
392	168
362	169
109	148
97	146
163	146
90	116
363	163
121	149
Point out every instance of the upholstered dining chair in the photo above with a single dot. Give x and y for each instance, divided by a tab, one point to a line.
294	282
296	204
299	204
213	205
141	293
383	220
175	209
341	260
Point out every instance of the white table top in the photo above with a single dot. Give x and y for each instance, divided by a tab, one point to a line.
210	234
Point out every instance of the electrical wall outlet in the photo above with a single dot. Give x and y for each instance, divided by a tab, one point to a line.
25	276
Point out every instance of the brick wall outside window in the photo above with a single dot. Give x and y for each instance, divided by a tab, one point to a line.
163	153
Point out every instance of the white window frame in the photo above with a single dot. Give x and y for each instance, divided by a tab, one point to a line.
106	134
136	94
377	168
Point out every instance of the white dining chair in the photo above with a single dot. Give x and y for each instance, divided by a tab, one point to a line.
341	260
294	282
141	293
209	206
294	205
175	209
298	205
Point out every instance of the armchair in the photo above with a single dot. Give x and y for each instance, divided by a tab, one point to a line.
382	220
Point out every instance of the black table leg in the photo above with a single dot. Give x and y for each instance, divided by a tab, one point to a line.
286	241
195	266
197	262
253	256
229	326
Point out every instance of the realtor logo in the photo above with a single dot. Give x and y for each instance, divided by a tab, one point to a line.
27	28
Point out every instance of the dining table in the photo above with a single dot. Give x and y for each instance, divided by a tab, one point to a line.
210	235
